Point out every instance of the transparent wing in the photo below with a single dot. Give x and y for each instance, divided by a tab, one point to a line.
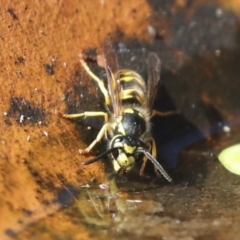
154	69
111	67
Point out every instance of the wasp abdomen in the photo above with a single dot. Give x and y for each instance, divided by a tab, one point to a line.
133	87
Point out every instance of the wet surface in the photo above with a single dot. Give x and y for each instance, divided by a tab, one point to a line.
202	203
45	191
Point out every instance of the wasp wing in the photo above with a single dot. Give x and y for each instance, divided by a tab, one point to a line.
154	69
111	67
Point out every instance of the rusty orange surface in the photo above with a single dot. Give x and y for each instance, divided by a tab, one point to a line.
39	43
35	36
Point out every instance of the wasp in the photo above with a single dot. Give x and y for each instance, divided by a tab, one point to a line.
129	109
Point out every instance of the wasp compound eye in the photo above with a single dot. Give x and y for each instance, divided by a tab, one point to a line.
115	153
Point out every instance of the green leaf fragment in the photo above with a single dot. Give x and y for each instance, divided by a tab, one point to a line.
230	158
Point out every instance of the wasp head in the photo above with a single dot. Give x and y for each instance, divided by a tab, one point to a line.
124	154
124	151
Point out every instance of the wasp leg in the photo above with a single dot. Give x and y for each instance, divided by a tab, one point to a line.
154	154
96	79
163	114
100	135
141	173
87	114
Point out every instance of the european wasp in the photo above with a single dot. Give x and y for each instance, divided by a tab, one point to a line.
129	102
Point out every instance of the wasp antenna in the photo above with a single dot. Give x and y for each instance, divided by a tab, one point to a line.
99	156
156	164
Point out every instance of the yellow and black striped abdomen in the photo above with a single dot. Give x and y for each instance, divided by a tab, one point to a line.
133	87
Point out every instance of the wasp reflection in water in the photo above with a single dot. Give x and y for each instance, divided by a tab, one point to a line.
105	209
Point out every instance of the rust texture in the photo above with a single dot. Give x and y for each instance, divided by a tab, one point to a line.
40	42
41	78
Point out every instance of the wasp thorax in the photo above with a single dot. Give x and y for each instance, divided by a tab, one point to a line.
132	123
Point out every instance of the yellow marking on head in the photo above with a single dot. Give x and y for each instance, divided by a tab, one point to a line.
118	144
131	161
122	159
129	149
116	166
123	162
